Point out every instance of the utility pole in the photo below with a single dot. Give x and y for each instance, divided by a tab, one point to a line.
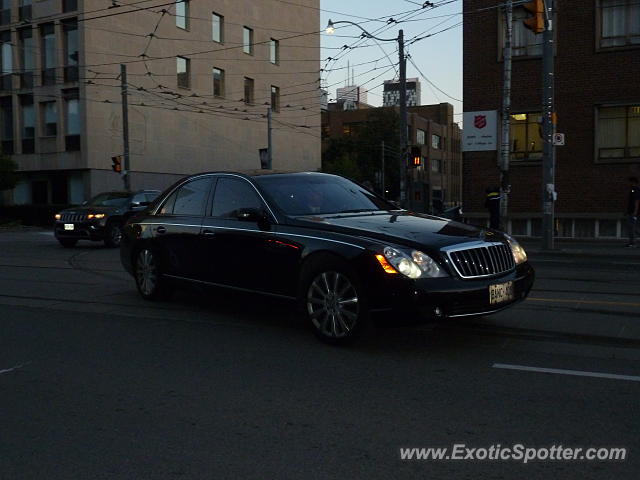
403	122
125	126
548	127
269	142
384	195
505	148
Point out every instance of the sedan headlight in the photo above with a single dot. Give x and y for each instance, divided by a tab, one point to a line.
519	255
414	265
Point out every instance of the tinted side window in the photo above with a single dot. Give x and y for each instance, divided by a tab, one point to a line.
139	198
191	197
233	194
151	196
167	207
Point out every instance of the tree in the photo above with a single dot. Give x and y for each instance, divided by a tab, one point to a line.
8	175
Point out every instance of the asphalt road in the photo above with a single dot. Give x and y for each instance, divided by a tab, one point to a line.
97	383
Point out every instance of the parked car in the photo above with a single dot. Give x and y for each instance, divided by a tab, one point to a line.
101	218
337	249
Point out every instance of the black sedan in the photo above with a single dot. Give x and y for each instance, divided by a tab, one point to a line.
336	248
101	218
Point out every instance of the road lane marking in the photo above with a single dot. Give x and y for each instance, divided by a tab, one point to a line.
591	302
7	370
577	373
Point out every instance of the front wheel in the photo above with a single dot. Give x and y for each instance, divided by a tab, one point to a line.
114	235
150	282
334	303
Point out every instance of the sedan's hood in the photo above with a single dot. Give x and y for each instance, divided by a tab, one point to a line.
403	227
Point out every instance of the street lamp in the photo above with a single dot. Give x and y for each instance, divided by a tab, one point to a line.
403	100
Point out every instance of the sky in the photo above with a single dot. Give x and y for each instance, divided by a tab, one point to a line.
438	57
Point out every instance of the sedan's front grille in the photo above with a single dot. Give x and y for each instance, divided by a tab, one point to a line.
73	217
482	261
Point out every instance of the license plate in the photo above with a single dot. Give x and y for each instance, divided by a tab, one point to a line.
500	293
69	226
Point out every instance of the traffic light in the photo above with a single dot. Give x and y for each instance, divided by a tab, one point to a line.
415	157
535	23
117	163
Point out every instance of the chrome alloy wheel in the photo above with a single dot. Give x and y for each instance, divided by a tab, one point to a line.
146	272
332	304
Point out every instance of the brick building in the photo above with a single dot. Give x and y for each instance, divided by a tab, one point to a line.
431	127
597	103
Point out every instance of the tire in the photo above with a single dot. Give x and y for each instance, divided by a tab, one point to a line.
113	235
150	282
68	242
333	300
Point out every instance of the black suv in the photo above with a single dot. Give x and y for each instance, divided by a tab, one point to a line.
101	218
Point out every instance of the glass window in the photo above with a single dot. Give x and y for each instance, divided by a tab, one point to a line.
274	51
420	137
49	119
48	52
218	82
182	14
233	194
248	90
524	41
6	53
192	197
618	133
5	12
217	27
28	117
26	48
619	23
525	136
6	124
247	40
73	116
436	141
70	29
139	198
275	98
182	66
109	199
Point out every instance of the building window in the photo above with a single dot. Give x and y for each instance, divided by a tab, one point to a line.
525	136
274	51
69	5
436	142
618	133
420	136
182	66
182	14
218	82
619	23
275	98
217	27
524	43
5	12
72	120
26	46
28	123
248	90
436	165
247	40
70	31
24	10
48	49
49	119
6	59
6	125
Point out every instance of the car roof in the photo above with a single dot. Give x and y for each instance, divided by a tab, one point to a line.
261	173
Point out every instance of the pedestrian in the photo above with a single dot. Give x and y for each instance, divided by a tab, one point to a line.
492	203
633	210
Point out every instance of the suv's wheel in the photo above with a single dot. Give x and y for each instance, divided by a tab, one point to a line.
333	301
114	235
68	242
151	284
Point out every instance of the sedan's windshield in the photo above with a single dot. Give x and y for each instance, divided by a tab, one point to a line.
320	195
110	199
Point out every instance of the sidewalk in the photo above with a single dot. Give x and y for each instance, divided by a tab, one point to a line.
590	248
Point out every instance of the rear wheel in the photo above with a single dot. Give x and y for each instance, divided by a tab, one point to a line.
68	242
150	281
333	301
114	235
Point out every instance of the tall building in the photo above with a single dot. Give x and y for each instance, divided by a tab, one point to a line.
597	60
352	93
200	78
391	93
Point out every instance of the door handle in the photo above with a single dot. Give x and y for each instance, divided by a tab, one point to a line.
208	233
161	229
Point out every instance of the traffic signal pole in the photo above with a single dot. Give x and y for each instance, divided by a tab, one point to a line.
125	125
404	202
548	127
505	148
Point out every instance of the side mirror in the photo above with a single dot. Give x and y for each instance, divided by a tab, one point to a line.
251	215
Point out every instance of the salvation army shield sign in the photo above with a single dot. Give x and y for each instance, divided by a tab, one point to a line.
480	121
480	131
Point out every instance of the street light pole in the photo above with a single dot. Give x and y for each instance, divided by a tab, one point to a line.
402	160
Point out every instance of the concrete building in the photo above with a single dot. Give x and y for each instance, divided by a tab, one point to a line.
391	93
597	104
352	93
438	181
200	79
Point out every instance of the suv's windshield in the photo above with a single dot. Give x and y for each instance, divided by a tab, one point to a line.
111	199
320	194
